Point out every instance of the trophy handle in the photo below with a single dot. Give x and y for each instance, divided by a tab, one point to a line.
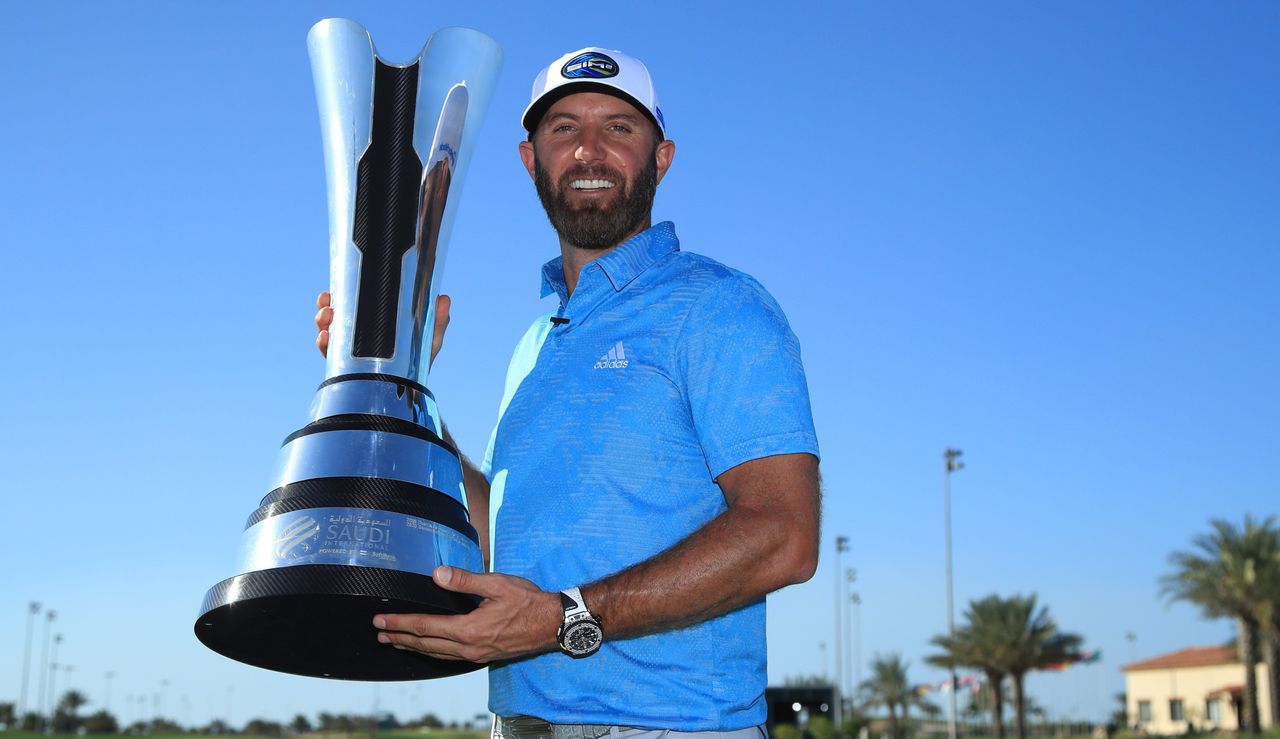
432	204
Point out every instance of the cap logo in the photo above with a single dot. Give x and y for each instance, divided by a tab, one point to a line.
590	65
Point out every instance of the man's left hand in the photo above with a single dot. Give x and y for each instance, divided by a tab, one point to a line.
515	618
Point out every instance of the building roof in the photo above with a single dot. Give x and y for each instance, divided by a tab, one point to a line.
1234	691
1189	657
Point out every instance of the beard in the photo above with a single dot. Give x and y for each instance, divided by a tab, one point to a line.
598	226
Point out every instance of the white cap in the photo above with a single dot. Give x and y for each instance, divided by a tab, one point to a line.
599	70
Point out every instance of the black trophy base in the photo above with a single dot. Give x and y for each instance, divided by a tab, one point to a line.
317	620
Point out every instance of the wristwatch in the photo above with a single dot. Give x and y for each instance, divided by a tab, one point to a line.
580	635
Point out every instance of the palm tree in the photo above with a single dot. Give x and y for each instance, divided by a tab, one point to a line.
1006	637
980	703
888	687
1269	627
1229	573
977	644
1037	644
66	714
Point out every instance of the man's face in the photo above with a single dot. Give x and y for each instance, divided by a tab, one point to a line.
596	162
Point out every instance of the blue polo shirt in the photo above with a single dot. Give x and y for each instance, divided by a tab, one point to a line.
670	369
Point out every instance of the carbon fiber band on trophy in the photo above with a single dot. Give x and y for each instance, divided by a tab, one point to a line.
386	199
367	497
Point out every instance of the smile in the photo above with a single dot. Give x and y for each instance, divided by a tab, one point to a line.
591	184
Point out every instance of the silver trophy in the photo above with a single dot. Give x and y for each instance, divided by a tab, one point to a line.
368	497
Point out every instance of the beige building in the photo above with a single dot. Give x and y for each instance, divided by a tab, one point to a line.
1200	688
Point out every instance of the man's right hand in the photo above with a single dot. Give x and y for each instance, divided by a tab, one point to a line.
324	318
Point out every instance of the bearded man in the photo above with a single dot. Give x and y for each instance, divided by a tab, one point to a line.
653	474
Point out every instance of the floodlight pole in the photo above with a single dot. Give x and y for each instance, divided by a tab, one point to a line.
850	577
33	609
106	702
856	600
842	546
49	617
53	680
951	458
52	704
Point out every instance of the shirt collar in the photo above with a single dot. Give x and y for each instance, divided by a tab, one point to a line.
622	264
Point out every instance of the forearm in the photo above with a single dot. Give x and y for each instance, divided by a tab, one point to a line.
477	488
738	557
768	538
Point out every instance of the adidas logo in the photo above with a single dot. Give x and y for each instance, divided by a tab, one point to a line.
615	359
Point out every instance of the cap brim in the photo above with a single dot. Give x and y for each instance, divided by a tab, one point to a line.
538	108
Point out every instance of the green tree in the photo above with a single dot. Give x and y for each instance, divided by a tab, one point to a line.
806	681
1228	574
346	723
8	715
66	718
1037	643
1120	716
163	726
263	727
1005	637
1269	625
979	643
32	722
888	687
980	701
431	721
101	722
300	724
785	731
820	727
854	721
72	701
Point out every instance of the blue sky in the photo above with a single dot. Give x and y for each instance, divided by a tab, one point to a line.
1043	233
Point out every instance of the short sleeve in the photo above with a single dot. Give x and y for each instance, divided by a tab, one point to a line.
523	359
743	377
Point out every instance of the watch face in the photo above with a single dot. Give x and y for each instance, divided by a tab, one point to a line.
582	638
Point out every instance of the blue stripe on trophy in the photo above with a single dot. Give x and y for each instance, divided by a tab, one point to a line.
347	454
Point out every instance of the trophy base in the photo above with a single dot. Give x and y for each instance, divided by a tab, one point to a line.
317	621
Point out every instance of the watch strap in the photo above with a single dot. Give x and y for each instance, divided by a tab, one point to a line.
572	602
580	634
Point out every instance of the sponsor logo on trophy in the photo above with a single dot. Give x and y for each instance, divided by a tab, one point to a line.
367	498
